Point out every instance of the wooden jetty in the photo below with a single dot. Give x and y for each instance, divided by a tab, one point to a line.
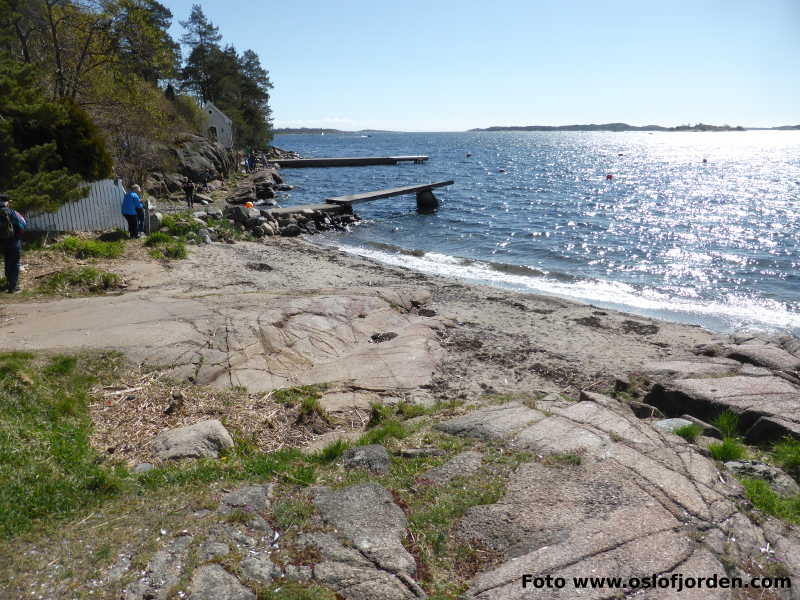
354	161
426	201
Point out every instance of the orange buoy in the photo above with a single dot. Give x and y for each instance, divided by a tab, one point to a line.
248	205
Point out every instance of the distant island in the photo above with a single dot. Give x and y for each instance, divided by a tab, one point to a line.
591	127
626	127
314	131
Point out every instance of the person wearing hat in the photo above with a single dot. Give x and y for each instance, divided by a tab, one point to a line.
12	225
131	208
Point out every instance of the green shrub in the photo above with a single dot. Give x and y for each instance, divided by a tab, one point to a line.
378	413
176	250
181	224
728	424
689	432
765	499
409	410
90	248
727	449
80	280
787	455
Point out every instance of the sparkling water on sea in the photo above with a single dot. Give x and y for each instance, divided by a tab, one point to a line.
693	227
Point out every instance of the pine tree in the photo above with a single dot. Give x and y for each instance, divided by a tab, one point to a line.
46	148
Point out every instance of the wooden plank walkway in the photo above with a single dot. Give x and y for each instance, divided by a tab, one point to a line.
388	193
353	161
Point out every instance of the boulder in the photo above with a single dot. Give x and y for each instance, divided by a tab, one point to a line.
492	423
201	159
156	219
249	497
240	214
752	398
212	582
264	191
372	458
461	465
777	479
200	440
670	425
291	230
367	514
764	355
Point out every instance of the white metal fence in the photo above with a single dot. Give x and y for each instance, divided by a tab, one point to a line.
100	209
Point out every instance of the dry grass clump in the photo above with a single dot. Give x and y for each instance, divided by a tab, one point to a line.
129	415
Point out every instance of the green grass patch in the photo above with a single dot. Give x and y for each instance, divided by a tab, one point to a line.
175	250
80	248
728	424
786	454
294	396
79	280
292	512
245	465
240	517
409	410
432	513
378	435
330	453
689	432
181	224
158	238
48	468
727	449
564	459
378	413
765	499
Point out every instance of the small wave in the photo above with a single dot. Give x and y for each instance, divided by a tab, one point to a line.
727	314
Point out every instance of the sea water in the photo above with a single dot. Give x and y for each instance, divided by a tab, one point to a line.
698	228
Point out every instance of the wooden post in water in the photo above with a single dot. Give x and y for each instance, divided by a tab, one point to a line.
427	202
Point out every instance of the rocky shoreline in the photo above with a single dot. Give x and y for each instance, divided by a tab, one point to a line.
545	419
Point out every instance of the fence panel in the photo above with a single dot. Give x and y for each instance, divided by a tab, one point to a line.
99	210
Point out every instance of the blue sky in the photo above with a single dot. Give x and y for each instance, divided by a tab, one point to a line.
443	65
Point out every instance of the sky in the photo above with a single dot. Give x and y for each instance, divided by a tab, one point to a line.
452	65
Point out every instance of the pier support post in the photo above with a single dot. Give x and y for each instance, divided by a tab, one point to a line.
427	202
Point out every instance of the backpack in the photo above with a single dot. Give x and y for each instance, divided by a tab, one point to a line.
7	231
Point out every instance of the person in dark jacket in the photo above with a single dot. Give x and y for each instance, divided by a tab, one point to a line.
12	225
131	209
189	189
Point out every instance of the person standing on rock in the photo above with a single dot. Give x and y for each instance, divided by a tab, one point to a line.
189	189
12	225
131	209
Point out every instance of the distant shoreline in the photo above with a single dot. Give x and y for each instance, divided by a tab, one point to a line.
699	127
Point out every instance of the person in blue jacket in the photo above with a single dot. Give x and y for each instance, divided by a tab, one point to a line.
131	209
12	225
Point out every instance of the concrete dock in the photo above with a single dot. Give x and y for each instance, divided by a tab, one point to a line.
354	161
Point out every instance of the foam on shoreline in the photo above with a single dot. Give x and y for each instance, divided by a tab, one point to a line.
735	313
